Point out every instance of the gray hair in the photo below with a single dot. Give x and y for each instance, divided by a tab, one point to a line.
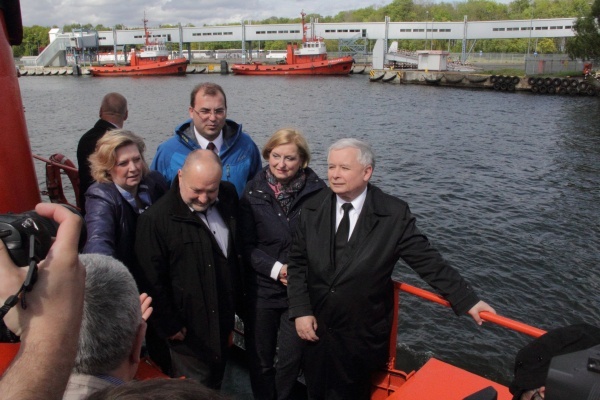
365	152
111	315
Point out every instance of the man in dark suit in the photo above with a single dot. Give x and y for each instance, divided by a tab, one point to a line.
113	113
187	249
340	290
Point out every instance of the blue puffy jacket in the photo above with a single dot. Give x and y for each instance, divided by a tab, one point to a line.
239	154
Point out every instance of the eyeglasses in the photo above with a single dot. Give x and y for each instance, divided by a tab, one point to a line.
537	396
206	113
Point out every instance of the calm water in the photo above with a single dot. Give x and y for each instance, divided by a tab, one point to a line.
506	185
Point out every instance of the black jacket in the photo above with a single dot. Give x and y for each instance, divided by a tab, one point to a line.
267	236
85	148
189	287
353	303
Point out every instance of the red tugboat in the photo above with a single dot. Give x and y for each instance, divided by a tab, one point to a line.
310	59
152	60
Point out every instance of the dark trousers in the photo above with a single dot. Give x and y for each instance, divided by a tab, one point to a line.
158	350
268	332
334	371
193	368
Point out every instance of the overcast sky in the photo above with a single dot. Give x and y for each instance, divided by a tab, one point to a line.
197	12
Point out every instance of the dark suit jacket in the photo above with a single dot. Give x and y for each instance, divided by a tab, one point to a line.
85	148
353	304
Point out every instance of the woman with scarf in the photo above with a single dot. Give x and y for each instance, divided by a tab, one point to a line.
270	209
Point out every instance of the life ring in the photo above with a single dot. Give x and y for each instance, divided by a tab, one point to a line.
54	167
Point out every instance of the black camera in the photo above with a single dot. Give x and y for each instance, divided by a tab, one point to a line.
26	231
16	231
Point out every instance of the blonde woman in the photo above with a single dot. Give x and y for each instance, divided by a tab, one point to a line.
270	208
124	188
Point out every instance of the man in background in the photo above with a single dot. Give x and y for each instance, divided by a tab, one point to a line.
113	114
209	128
189	257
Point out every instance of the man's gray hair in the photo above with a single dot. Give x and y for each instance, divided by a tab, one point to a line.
111	315
365	152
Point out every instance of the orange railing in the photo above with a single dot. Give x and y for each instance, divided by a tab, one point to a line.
435	298
388	381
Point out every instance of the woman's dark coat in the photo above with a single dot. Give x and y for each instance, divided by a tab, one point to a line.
267	236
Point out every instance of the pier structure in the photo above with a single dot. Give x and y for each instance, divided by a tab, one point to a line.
251	33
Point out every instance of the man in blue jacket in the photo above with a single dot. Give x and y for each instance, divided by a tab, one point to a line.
209	128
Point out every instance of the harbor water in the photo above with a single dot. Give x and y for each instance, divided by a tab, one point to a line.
505	185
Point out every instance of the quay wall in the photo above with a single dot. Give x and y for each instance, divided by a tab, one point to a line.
588	86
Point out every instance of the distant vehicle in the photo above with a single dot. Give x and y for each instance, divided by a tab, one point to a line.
277	54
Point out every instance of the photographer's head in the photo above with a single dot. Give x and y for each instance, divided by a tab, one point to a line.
533	361
112	328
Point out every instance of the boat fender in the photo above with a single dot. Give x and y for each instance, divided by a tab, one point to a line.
543	89
591	91
496	86
54	179
493	78
557	82
564	82
535	88
531	81
516	80
551	89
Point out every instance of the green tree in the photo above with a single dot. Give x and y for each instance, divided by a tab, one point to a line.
35	38
586	43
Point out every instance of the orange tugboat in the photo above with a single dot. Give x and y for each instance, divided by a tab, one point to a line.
310	59
152	60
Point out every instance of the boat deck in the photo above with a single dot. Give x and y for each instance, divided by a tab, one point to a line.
236	382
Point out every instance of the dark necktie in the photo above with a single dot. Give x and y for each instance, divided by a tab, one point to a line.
342	233
211	146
